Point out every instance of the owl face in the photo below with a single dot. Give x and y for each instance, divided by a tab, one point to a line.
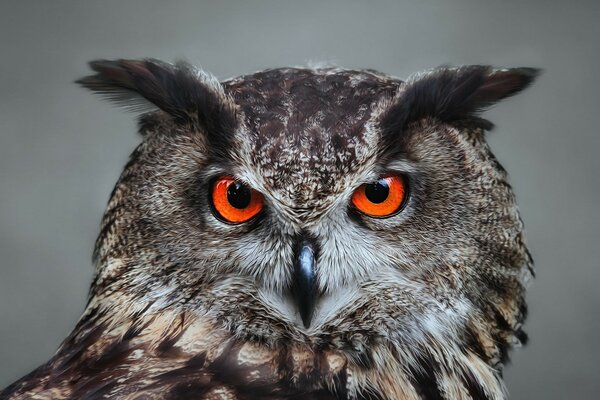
329	207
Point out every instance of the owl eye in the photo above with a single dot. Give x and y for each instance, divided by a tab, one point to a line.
235	202
381	198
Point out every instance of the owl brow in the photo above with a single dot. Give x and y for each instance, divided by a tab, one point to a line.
400	165
217	169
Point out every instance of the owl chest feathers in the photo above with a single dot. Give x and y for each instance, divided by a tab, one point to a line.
170	355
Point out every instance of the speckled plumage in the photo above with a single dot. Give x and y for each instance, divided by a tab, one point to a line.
424	304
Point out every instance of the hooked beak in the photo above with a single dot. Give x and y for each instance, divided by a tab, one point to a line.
304	287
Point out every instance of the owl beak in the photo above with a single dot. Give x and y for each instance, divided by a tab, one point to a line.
304	287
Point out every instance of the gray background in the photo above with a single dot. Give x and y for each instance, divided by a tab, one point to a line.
61	149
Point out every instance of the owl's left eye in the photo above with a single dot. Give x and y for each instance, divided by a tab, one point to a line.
234	201
381	198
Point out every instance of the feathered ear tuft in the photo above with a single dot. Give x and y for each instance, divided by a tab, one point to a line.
188	95
451	94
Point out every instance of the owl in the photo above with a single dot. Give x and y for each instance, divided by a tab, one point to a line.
300	233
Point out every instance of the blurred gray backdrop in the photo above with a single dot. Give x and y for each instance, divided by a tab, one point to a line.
61	149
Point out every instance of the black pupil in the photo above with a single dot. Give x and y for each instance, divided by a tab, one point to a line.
238	195
377	192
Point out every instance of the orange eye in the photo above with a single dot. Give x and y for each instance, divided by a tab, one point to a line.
234	201
381	198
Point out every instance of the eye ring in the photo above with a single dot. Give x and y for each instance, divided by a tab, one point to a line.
233	201
382	198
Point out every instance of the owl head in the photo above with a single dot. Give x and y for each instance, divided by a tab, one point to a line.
337	208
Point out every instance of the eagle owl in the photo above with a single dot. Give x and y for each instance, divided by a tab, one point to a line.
300	234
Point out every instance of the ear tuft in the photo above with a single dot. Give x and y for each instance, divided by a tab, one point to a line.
499	84
129	83
452	94
143	85
183	92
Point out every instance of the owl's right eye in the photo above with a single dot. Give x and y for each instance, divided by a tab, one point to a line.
235	202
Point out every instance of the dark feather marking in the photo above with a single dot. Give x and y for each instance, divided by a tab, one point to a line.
166	346
423	378
474	388
472	343
503	329
94	389
501	322
193	366
189	390
75	346
369	395
362	358
94	378
284	360
520	333
522	336
112	356
196	361
340	385
134	330
141	312
189	381
523	311
227	370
